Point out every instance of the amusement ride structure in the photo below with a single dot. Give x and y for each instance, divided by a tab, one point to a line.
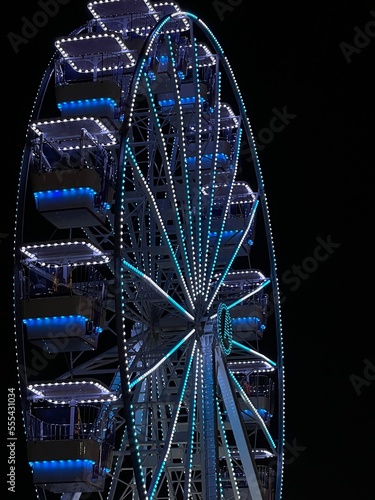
146	306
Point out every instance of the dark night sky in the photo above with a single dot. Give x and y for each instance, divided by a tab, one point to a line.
315	64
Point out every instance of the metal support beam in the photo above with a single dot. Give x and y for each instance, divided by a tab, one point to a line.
210	419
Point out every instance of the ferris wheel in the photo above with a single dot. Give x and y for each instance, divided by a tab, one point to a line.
148	330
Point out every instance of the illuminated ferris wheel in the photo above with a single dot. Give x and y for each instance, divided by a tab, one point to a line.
147	316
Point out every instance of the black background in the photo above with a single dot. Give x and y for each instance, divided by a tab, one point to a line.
317	173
